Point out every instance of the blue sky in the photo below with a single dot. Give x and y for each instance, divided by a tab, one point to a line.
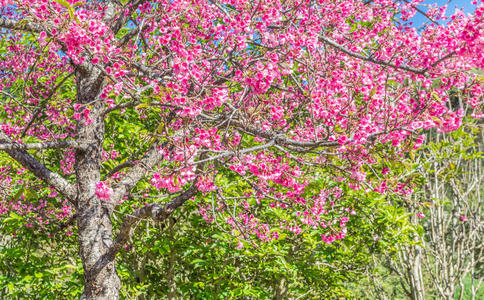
464	5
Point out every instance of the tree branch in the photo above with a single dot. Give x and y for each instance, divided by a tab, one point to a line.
136	103
154	211
422	12
41	105
24	25
132	33
127	164
53	179
21	25
123	18
234	153
6	146
150	71
136	173
370	59
281	139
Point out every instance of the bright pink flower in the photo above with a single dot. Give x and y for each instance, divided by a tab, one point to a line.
385	170
103	191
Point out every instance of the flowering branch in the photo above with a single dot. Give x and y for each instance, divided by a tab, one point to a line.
370	59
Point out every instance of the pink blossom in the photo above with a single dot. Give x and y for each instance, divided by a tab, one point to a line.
103	191
240	245
310	97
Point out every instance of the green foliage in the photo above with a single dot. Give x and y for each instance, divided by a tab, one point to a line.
467	294
187	257
451	160
36	266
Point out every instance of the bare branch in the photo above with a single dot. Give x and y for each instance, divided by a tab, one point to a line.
123	18
281	139
39	170
127	164
136	103
21	25
137	172
154	211
149	71
233	153
41	146
422	12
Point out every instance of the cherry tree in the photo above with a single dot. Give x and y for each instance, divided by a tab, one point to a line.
249	100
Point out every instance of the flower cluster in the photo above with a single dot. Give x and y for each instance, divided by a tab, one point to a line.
103	191
262	97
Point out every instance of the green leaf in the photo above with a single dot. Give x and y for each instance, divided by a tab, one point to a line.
19	193
31	194
142	105
69	7
12	217
71	12
160	128
63	3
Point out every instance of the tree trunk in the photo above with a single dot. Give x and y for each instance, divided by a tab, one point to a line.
170	274
416	283
280	288
95	237
93	215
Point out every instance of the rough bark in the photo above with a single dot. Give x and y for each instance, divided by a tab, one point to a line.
94	216
41	146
